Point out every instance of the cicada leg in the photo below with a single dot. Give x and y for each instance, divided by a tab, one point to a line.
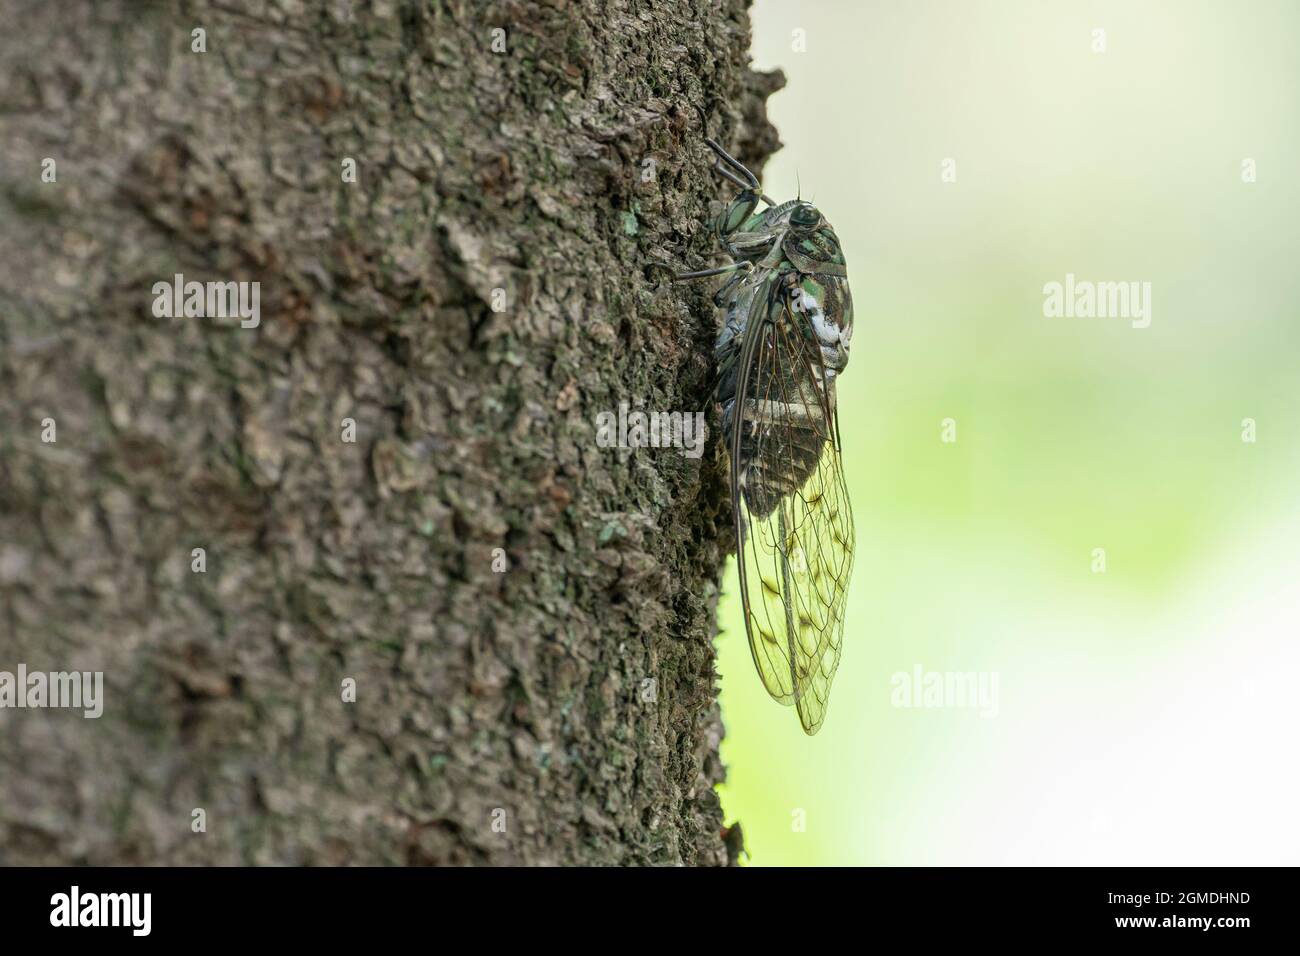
732	218
750	179
741	269
746	180
735	216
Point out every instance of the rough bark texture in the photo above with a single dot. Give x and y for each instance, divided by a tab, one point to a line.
523	171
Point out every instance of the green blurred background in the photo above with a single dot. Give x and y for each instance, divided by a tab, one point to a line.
1146	715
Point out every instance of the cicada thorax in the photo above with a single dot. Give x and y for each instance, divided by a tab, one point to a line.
815	251
752	235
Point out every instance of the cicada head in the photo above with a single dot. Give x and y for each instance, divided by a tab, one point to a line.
805	218
810	242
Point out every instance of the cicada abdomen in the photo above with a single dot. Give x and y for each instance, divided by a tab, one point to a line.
790	405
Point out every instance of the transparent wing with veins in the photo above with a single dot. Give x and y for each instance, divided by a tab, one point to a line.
794	522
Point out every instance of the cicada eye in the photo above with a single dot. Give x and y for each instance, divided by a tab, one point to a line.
805	216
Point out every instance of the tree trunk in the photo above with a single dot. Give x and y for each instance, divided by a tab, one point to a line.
527	616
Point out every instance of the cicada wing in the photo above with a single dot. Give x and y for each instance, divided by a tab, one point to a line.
794	526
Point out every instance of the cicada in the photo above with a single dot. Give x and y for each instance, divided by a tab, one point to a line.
787	324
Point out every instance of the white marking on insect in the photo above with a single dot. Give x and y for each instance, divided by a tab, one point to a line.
827	331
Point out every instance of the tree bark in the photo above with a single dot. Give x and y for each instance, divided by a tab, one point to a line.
472	301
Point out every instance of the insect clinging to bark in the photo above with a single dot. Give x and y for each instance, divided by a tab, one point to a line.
788	320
